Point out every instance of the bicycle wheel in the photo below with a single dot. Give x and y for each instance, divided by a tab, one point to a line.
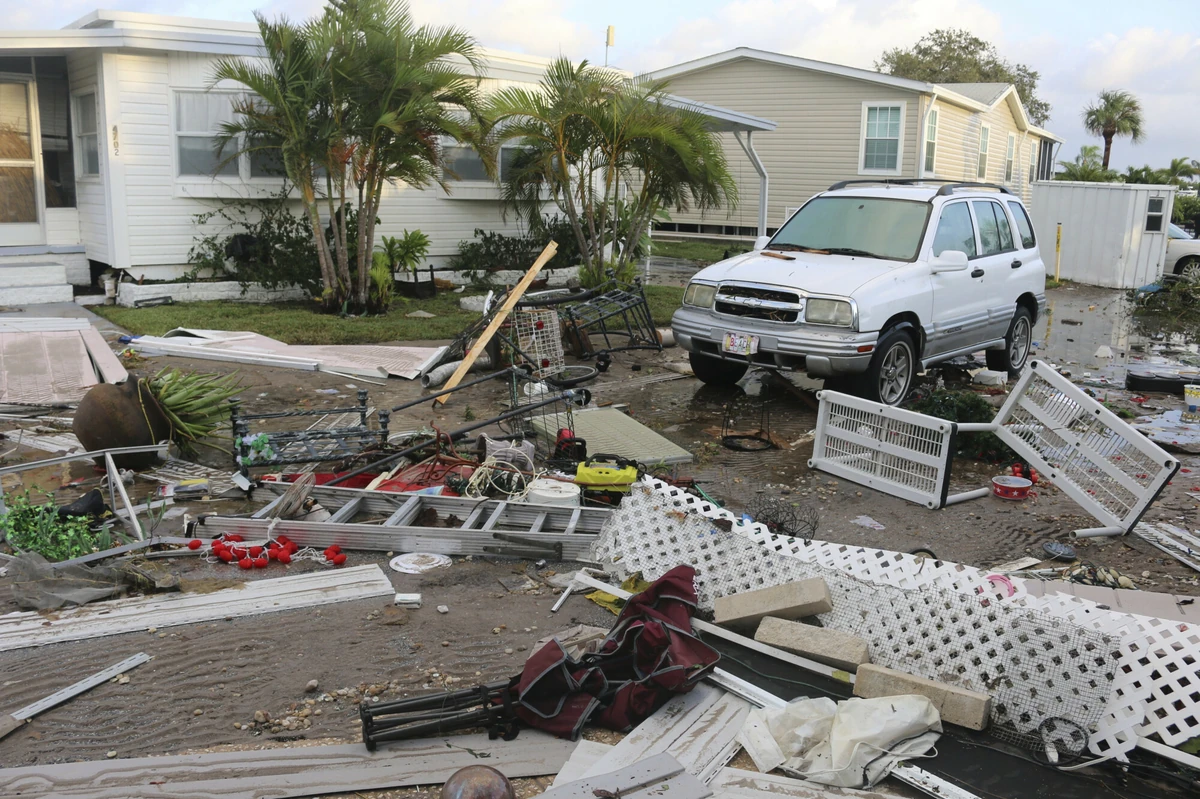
570	376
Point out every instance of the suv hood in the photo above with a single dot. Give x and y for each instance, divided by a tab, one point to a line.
837	275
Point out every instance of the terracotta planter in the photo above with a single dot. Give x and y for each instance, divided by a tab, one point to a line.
112	415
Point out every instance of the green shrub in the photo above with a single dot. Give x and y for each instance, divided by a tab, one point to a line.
966	406
591	275
383	284
497	252
405	253
30	527
1187	211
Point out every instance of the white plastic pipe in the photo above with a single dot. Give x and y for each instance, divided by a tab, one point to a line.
1097	532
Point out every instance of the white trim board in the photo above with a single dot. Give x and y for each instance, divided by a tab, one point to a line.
30	628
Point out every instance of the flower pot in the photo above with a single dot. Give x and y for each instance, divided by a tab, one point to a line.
114	415
417	289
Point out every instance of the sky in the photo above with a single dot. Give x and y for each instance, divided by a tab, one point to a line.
1149	47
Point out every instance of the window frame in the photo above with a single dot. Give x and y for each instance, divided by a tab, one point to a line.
1010	158
862	137
447	142
970	218
979	228
1159	215
985	143
243	177
1012	207
1033	149
77	134
930	165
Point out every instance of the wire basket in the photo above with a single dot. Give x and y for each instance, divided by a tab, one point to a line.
538	336
546	426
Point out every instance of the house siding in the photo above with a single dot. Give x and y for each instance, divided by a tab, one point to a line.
160	216
90	192
816	142
958	146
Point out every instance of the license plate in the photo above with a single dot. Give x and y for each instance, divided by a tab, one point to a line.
740	344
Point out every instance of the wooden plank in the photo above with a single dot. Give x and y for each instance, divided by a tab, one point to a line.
107	364
658	733
289	772
31	628
501	316
710	743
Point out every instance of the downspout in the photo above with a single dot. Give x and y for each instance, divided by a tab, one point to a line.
922	134
748	147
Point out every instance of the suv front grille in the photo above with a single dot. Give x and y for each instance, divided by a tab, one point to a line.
756	302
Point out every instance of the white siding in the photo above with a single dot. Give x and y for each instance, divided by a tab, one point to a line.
816	143
82	67
62	227
1104	238
161	215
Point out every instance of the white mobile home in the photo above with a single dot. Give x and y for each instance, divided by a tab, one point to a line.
1113	234
106	156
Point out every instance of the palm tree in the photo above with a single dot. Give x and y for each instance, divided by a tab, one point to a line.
1181	169
1146	176
354	99
588	135
1117	113
1086	167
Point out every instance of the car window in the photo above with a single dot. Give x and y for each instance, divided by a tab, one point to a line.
1006	239
1176	232
989	231
955	231
1024	226
874	227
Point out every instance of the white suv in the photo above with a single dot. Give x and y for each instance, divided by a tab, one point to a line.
870	283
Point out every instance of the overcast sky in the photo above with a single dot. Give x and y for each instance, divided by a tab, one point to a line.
1149	47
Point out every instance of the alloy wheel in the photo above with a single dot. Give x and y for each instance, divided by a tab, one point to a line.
1018	350
895	373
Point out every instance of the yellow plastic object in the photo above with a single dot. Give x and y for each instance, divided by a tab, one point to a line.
606	475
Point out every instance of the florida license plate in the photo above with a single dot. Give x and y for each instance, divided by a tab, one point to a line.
740	344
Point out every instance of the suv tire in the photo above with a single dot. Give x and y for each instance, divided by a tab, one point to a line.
717	371
1017	344
1188	267
893	369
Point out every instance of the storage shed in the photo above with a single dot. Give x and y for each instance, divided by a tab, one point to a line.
1113	234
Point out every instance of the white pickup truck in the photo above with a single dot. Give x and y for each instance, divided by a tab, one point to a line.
870	283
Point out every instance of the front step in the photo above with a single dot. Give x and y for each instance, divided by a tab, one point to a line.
34	283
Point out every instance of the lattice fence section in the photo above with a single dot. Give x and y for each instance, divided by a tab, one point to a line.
539	335
895	451
1156	687
1101	462
1037	667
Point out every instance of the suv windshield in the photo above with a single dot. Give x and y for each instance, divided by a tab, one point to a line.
872	227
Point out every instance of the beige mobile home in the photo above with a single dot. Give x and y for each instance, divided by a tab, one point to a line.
839	123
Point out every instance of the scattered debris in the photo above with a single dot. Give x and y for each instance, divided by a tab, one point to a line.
868	522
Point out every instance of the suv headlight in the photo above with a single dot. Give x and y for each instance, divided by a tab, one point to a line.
829	312
700	295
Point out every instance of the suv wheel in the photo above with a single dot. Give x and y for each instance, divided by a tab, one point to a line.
1188	268
716	371
890	376
1017	342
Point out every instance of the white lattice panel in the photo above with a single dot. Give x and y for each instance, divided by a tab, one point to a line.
892	450
1037	667
1156	689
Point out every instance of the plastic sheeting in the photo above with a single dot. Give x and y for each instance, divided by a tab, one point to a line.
38	584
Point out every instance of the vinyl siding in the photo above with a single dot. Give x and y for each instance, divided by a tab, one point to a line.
958	146
816	142
62	227
161	210
83	71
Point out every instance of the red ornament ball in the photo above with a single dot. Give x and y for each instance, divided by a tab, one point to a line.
246	563
339	559
195	543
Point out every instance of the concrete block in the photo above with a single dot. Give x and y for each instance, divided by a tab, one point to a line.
831	647
957	705
788	601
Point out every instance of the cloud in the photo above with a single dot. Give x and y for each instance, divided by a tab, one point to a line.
536	27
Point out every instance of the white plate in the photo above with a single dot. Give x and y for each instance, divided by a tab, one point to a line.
739	343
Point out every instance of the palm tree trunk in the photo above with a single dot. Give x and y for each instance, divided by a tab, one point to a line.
1108	139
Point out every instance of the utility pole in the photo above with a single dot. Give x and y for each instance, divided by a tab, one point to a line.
610	41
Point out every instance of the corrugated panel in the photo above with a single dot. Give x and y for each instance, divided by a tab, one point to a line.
45	368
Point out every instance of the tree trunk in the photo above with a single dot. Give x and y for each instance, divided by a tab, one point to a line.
1108	137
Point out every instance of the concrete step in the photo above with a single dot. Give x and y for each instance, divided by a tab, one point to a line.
35	295
32	274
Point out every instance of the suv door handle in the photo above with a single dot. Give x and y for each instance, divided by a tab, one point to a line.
1016	263
977	272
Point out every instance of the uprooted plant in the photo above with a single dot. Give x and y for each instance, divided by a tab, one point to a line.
29	526
195	404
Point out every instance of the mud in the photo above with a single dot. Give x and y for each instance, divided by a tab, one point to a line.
230	669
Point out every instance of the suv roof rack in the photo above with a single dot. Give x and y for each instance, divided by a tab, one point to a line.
947	188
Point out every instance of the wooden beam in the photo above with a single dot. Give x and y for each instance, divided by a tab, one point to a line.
514	297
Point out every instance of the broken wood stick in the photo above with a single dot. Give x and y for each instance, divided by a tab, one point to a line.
501	316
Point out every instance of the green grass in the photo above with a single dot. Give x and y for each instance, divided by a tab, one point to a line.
702	251
300	323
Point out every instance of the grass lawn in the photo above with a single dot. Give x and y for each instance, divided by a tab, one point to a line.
702	251
299	323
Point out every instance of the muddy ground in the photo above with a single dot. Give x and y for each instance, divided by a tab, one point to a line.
207	680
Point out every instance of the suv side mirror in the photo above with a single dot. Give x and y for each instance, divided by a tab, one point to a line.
761	242
949	261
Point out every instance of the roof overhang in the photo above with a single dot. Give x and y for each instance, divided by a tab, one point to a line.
720	119
131	38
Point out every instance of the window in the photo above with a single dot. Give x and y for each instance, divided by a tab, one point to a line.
465	164
981	169
1032	162
930	141
881	138
995	235
1010	156
955	231
1154	215
198	118
1024	226
870	227
87	139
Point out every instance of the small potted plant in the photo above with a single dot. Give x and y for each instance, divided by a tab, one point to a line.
405	254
